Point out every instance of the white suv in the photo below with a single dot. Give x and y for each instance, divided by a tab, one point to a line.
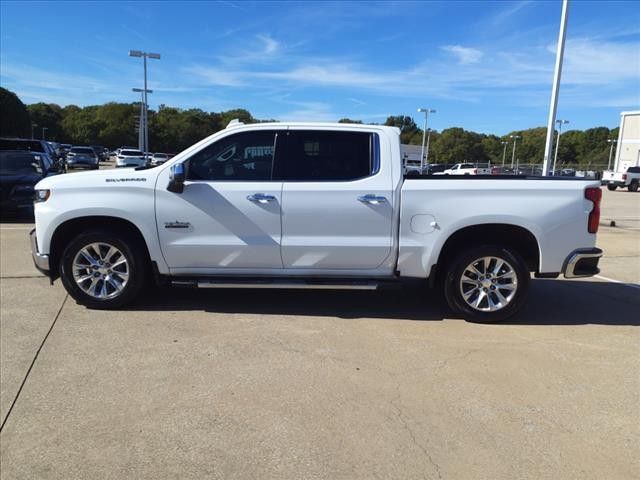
131	158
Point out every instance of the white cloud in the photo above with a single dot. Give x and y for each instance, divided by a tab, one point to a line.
270	45
465	55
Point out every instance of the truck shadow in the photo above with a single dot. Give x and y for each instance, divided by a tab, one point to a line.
551	302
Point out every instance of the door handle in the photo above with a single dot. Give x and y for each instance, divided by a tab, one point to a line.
261	198
372	199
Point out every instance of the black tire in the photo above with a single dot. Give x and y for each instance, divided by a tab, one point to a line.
633	186
611	187
453	286
130	247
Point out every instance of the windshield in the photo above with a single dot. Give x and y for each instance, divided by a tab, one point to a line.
86	150
131	153
16	163
17	144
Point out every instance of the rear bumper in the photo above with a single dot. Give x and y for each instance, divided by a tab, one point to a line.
582	262
39	260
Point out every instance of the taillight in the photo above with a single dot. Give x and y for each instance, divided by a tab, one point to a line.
475	171
624	177
594	194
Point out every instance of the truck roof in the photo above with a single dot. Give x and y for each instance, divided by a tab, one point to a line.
333	125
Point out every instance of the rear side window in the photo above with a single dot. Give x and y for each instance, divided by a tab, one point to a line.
245	156
633	170
324	156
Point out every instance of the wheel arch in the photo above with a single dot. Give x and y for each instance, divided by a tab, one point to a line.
515	237
68	229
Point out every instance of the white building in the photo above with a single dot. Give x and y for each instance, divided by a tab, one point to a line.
628	147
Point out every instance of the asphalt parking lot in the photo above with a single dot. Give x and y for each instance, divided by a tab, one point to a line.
332	385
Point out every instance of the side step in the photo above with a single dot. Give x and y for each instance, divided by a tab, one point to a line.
278	283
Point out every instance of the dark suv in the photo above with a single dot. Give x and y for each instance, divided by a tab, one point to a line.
38	146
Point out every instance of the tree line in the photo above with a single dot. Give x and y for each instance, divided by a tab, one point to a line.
174	129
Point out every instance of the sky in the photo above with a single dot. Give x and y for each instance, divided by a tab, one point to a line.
484	66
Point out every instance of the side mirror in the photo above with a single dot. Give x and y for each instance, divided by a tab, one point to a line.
176	180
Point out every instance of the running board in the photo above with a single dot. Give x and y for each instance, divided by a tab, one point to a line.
268	283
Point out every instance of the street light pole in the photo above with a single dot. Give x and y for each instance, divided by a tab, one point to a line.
142	131
555	157
555	89
33	126
144	55
513	154
44	129
612	142
504	152
426	112
427	152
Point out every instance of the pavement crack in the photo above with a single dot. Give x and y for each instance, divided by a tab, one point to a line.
411	433
35	357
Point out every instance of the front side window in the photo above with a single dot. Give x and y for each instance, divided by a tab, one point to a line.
246	156
317	156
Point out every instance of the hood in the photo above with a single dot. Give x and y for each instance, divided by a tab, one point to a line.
23	178
99	178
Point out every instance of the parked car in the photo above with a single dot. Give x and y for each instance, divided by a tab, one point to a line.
38	146
300	205
82	157
131	158
159	158
20	170
101	152
466	169
629	179
65	148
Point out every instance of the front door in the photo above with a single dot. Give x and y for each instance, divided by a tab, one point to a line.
228	216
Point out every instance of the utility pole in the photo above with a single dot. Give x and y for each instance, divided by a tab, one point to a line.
555	89
513	154
612	142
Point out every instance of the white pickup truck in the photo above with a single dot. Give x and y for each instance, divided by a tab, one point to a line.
304	205
465	169
629	179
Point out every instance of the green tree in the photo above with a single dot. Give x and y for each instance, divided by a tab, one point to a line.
407	126
14	116
348	120
49	116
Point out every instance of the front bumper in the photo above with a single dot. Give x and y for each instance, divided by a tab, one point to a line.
582	262
39	260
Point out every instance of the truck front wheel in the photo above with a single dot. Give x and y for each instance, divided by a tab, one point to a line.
611	187
487	284
102	269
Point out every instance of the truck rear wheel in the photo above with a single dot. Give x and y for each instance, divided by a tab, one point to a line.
611	187
633	186
487	284
103	270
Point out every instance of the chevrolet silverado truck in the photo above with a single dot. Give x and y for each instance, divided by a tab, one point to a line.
307	205
629	179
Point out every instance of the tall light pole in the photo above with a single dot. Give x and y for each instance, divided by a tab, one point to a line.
145	55
44	129
143	118
555	89
426	112
426	160
513	154
33	126
555	157
612	142
504	151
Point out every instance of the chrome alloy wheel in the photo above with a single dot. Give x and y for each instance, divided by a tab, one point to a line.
488	284
101	270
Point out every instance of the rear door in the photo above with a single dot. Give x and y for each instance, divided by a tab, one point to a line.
228	216
337	202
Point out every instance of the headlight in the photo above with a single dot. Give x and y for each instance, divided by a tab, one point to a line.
41	196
